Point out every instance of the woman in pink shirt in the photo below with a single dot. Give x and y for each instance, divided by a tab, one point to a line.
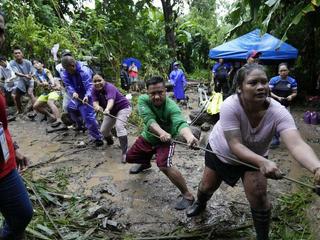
248	121
133	75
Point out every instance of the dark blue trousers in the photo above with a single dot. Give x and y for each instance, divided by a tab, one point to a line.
89	116
15	206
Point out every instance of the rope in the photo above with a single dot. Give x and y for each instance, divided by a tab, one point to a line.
200	113
314	188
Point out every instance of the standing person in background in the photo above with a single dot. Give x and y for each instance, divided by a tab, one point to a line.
108	99
77	79
15	205
253	56
283	89
133	74
179	82
25	83
220	74
50	93
124	77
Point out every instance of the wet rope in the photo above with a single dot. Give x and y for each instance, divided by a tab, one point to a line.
316	189
200	113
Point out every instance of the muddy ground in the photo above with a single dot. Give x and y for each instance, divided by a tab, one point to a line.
144	202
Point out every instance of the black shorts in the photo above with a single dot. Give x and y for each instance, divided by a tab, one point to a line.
227	172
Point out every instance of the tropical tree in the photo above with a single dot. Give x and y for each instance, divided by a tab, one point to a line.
284	19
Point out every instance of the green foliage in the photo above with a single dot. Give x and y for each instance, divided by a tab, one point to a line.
115	30
296	21
69	213
111	32
201	75
134	117
292	222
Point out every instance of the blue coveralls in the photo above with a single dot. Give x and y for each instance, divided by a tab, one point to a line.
81	83
178	79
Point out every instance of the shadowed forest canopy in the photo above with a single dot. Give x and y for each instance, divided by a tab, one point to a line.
114	30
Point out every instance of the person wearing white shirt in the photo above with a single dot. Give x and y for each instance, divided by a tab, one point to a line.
7	77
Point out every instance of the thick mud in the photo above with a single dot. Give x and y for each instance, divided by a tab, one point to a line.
143	203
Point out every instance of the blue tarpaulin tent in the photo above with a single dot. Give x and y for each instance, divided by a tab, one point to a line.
271	48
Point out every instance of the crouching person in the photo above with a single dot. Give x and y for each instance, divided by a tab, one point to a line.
162	117
108	99
50	93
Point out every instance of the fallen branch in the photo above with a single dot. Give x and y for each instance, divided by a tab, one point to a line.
64	196
54	158
220	232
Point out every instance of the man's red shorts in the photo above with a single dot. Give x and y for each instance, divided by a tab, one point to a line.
142	152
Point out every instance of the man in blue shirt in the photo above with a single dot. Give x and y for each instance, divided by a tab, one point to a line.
77	79
220	74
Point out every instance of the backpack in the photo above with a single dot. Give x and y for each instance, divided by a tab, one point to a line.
214	103
221	72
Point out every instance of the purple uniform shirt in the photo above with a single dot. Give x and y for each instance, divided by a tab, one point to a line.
110	92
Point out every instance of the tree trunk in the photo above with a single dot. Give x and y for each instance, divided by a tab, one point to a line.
169	21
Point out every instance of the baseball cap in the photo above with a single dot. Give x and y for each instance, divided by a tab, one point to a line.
253	54
176	63
66	52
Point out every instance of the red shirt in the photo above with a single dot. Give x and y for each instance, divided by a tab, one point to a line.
6	168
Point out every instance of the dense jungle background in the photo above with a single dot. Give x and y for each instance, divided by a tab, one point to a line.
114	30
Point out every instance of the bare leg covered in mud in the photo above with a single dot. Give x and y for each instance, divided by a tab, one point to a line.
55	110
142	151
178	180
41	108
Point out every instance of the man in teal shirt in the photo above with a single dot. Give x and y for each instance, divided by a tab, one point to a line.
162	117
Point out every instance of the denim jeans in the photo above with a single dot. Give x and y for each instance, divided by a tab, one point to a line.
15	206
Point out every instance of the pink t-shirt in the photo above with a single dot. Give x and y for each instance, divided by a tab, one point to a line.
232	117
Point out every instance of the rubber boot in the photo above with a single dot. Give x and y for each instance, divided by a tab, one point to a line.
109	140
124	146
261	222
199	205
